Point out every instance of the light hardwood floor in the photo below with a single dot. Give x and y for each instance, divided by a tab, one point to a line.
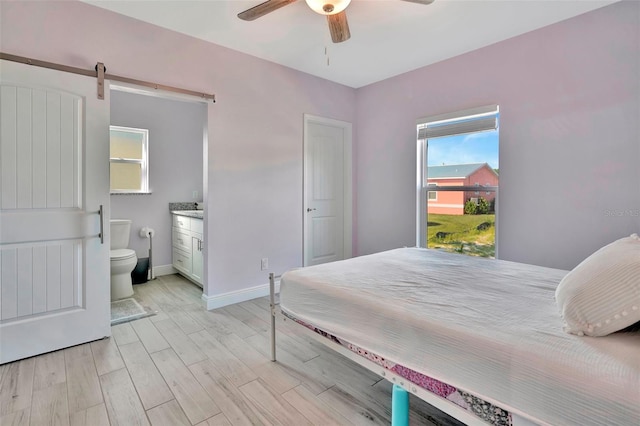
189	366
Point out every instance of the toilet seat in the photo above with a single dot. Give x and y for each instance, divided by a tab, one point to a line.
122	254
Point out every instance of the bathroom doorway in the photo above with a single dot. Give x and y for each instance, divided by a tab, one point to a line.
177	146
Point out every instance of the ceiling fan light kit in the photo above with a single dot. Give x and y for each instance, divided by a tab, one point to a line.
334	10
328	7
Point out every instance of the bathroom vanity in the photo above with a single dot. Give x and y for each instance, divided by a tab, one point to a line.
188	244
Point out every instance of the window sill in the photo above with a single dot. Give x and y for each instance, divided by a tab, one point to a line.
131	193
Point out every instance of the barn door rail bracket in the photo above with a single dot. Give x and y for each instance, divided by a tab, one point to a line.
100	72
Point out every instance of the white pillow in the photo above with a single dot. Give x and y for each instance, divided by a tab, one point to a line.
602	294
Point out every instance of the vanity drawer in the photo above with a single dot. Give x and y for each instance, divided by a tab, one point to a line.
182	222
181	261
196	226
181	240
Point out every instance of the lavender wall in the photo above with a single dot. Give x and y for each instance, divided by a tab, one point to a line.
561	90
175	159
569	138
253	168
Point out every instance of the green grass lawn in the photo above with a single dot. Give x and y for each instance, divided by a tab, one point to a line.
460	234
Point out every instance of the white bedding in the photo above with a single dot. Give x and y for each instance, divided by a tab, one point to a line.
488	327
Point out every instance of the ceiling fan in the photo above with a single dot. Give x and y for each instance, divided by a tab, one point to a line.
333	9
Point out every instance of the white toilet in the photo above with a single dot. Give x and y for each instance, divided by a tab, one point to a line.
123	260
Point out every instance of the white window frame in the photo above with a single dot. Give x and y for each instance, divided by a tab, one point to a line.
421	162
144	162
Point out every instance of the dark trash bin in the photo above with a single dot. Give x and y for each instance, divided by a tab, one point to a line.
140	273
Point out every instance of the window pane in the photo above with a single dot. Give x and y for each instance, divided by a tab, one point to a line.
126	176
126	144
462	221
452	230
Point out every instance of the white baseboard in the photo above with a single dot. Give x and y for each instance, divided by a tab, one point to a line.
221	300
160	270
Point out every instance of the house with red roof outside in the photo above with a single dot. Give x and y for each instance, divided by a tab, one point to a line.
452	203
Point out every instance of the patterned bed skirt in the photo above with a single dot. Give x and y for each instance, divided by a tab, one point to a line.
485	411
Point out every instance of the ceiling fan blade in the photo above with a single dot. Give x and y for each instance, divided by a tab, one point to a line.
339	27
420	1
262	9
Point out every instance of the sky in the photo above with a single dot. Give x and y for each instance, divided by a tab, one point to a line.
479	147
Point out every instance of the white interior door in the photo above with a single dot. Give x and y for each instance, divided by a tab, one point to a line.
327	190
54	269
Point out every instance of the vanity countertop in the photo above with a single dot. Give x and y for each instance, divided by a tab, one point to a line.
198	214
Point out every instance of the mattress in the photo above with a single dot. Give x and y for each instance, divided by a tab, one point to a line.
487	327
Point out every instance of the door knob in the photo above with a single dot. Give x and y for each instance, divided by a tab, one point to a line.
309	209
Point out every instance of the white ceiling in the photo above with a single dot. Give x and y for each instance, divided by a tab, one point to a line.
388	37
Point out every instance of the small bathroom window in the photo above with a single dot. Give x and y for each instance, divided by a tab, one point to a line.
129	160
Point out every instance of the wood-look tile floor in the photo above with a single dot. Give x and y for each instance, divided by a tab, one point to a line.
189	366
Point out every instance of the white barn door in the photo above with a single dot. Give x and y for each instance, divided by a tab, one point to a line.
327	190
54	269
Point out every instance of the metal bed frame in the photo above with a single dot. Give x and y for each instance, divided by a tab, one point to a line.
402	387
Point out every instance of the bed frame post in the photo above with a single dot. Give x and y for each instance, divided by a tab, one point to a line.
272	309
399	407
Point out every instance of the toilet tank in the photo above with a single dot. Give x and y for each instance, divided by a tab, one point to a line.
120	230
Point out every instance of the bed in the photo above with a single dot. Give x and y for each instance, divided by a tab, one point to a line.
480	339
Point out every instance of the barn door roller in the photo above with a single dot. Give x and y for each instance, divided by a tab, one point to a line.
100	69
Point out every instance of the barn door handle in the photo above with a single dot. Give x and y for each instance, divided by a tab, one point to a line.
101	234
310	209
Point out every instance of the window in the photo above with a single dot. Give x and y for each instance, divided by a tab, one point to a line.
432	195
457	181
129	160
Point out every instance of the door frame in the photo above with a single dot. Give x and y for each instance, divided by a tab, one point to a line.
348	183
